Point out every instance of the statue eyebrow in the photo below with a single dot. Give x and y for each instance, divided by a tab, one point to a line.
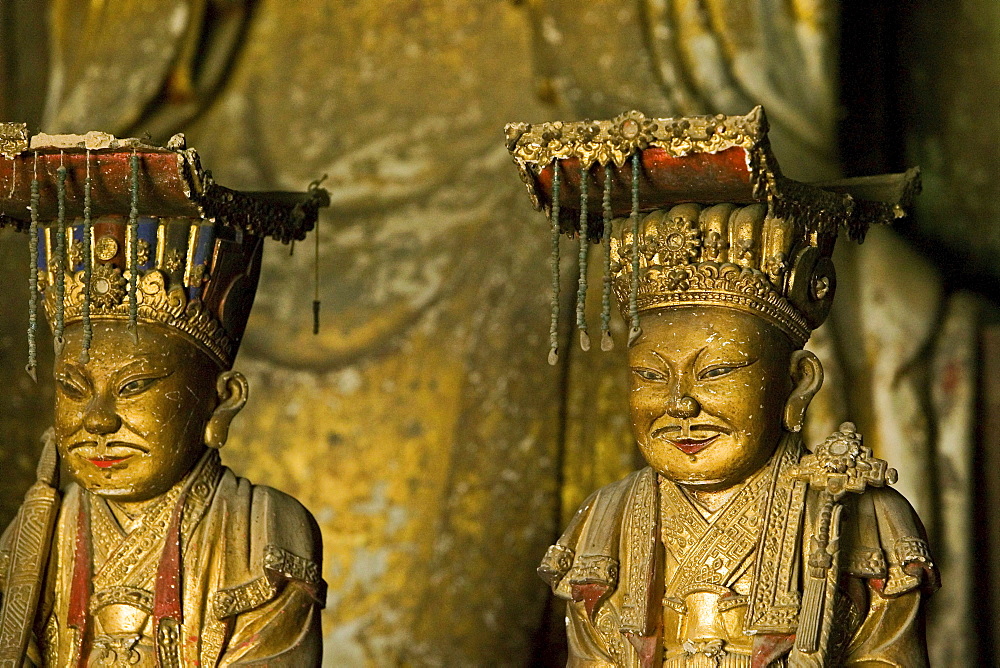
70	365
660	357
736	364
71	370
734	361
142	363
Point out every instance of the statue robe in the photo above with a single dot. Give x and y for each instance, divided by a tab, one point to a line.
216	572
652	579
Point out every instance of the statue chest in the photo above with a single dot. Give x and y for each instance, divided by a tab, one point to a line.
114	571
708	570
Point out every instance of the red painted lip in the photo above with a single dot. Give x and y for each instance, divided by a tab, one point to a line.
692	446
107	462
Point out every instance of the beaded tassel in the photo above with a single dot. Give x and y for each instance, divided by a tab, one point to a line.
316	281
633	298
133	247
581	294
88	267
554	315
60	254
607	343
313	187
33	274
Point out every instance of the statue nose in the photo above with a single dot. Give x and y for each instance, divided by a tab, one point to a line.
683	408
101	419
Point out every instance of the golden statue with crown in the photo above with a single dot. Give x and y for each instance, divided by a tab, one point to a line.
153	553
737	546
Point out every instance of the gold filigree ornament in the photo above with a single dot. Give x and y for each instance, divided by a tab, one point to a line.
616	139
13	139
75	253
630	132
678	241
106	248
841	464
154	304
714	649
173	261
677	267
199	274
142	252
118	651
107	287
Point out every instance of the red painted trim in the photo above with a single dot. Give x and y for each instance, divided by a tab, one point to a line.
79	597
167	592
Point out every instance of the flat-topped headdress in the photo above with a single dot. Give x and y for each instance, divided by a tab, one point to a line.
122	230
716	221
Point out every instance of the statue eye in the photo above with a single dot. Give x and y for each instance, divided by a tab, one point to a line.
135	386
649	374
720	370
70	387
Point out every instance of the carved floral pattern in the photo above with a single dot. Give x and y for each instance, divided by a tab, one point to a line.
107	287
142	252
679	242
75	253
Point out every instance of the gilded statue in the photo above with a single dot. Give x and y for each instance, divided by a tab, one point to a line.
148	552
737	545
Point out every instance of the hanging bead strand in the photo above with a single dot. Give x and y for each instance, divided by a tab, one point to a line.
554	260
316	302
88	266
633	299
33	274
607	343
313	188
60	253
581	293
133	248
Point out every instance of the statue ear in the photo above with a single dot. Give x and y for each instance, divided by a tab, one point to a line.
233	391
807	375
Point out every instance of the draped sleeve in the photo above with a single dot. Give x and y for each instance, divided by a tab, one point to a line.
887	548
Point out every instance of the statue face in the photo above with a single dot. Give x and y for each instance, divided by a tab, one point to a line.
708	392
129	424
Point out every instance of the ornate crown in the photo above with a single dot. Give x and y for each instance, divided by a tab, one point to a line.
724	255
716	221
126	231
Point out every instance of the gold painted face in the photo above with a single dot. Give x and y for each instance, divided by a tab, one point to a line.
708	391
130	423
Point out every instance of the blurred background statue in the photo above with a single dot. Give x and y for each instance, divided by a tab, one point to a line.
439	456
